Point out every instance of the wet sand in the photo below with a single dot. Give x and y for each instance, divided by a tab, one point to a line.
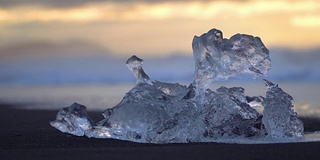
26	134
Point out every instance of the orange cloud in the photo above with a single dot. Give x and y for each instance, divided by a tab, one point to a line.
166	26
156	11
307	21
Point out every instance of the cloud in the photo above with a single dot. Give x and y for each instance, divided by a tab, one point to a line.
147	26
306	21
47	3
46	50
76	3
97	10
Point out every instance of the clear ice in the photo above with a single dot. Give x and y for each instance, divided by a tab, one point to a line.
159	112
217	58
134	64
279	118
73	120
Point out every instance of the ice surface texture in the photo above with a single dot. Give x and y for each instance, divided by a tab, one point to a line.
73	120
160	112
279	118
217	58
135	66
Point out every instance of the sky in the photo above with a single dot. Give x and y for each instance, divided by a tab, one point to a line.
62	42
152	27
35	33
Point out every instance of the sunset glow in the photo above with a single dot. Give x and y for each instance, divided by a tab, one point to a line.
157	11
286	23
307	21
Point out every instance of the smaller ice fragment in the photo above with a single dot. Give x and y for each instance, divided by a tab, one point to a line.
73	120
279	118
134	64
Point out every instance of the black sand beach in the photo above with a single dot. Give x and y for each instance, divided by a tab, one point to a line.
26	134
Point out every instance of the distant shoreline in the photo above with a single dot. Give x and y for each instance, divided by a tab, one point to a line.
100	97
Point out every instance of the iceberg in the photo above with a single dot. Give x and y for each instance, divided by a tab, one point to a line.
160	112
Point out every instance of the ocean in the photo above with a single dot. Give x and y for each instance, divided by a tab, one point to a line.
98	97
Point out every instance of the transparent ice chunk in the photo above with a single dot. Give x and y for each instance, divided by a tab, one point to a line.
134	64
160	112
226	113
148	114
175	90
73	120
217	58
279	118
